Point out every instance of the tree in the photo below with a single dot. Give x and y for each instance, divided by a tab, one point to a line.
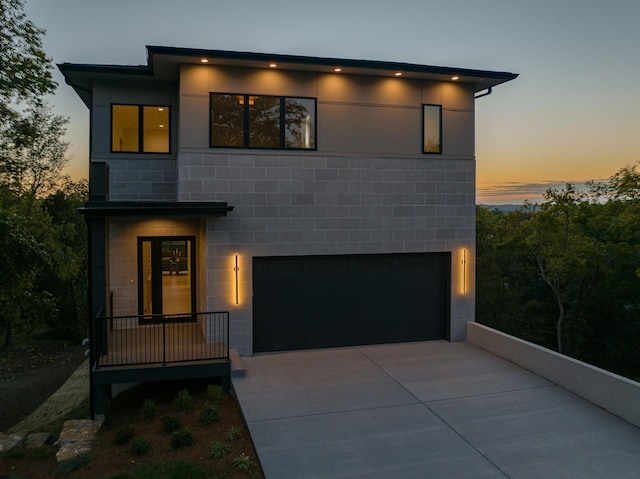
34	152
25	69
564	273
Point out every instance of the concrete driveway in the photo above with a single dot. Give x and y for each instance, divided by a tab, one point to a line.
424	410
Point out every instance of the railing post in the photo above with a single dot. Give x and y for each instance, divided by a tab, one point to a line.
164	341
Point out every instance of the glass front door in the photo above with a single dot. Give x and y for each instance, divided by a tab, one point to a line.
166	267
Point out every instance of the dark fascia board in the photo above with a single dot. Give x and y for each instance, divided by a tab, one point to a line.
154	208
163	62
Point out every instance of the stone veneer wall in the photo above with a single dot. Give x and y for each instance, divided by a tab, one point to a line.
306	205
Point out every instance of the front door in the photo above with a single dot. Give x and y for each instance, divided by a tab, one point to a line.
166	276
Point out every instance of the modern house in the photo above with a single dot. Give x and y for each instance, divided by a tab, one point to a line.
263	202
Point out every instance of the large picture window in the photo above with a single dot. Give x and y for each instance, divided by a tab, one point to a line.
432	129
259	121
140	129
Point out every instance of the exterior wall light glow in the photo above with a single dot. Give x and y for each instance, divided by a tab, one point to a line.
463	264
398	74
236	270
273	65
337	70
456	77
204	60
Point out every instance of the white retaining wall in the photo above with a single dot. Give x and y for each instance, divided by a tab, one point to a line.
616	394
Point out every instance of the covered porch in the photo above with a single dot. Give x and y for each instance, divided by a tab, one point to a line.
145	348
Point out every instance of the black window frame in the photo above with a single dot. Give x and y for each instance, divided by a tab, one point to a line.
440	150
246	122
140	151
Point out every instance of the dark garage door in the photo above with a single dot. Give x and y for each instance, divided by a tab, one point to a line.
304	302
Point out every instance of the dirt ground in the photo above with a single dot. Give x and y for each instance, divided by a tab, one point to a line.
30	373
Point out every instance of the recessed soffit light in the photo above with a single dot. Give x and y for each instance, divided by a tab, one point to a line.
204	60
398	74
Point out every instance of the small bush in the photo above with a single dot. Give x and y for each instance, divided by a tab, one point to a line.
169	470
215	394
210	414
234	433
149	408
140	446
170	423
219	449
243	462
13	453
74	463
183	401
38	452
124	435
181	438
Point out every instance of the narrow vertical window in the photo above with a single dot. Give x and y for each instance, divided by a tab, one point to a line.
227	120
299	123
432	129
264	122
155	134
125	128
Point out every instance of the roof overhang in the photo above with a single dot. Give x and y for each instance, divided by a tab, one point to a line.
154	208
163	64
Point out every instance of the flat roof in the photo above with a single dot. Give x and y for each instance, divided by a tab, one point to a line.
163	65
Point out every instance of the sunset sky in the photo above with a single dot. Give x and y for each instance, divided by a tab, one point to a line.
572	115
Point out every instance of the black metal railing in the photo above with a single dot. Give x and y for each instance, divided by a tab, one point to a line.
161	338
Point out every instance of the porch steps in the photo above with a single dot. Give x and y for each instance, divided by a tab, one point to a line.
237	364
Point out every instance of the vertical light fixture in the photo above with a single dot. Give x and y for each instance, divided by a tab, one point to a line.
464	271
236	269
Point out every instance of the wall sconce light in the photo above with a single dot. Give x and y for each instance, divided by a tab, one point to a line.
236	269
464	270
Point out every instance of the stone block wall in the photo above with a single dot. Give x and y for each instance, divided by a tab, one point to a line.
327	205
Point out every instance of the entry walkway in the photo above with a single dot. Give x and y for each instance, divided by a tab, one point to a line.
424	410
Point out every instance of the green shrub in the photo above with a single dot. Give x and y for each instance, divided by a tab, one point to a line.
183	401
13	453
243	462
170	423
215	393
210	413
74	463
234	433
219	449
38	452
181	438
140	446
149	408
173	470
124	435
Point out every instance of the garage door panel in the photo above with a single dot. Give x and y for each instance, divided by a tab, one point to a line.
321	301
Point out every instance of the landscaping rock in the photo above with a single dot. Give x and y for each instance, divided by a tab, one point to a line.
76	438
9	441
37	439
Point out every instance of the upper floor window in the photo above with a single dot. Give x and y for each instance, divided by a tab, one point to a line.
259	121
432	129
140	129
